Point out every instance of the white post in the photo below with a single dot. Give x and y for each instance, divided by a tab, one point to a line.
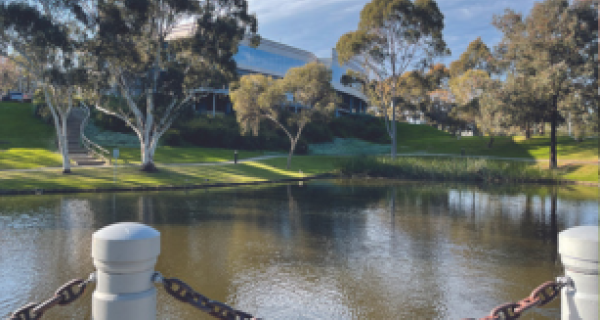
125	255
578	248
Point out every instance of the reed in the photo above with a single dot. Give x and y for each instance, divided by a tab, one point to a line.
443	169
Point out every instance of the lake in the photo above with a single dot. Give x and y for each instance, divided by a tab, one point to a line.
323	250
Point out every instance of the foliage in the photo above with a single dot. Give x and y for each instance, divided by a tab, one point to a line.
257	97
442	169
224	132
9	75
477	57
393	37
555	49
44	39
153	71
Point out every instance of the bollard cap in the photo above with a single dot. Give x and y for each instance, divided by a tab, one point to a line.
125	243
578	248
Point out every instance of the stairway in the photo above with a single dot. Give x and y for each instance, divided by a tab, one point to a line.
77	152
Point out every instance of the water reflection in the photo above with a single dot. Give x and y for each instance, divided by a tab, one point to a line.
318	251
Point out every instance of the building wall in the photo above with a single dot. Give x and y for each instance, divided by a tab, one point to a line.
275	59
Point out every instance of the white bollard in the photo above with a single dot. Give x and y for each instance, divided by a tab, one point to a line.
125	255
578	248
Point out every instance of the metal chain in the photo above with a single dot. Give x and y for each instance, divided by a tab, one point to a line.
66	294
184	293
540	296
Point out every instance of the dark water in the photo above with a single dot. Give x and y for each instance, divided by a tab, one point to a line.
321	251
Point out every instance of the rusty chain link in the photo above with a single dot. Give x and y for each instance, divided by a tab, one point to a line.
184	293
540	296
66	294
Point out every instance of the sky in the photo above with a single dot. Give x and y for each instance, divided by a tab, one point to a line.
316	25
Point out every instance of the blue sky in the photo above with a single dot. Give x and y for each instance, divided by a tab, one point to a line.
316	25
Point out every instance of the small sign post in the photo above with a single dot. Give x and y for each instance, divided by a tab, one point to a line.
116	157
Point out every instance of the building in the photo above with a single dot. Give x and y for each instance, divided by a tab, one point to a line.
275	59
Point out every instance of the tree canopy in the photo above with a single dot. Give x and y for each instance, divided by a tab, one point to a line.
257	97
392	38
554	50
155	74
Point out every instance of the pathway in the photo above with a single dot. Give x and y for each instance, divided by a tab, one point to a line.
77	153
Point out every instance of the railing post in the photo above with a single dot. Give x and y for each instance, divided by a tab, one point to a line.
125	255
578	248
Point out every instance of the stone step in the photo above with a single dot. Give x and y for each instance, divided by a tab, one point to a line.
90	162
80	156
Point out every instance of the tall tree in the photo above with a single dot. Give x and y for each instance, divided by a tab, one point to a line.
257	97
477	56
153	74
43	39
554	48
9	75
393	36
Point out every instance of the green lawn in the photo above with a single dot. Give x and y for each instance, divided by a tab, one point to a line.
131	176
25	141
537	148
184	155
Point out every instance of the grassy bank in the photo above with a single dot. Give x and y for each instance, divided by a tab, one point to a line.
458	169
184	155
131	176
25	141
423	168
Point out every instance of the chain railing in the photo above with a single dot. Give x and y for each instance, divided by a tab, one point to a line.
184	293
540	296
88	144
65	295
181	291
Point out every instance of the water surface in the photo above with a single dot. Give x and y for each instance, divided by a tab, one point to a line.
327	250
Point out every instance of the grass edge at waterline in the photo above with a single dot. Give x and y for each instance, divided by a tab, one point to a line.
444	169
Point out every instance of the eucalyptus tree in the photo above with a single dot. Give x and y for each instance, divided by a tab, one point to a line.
145	74
393	36
555	49
9	74
477	57
43	38
257	97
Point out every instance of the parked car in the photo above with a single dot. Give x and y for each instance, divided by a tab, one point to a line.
15	96
27	97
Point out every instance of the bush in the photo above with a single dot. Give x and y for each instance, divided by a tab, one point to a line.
360	127
172	138
442	169
317	132
224	132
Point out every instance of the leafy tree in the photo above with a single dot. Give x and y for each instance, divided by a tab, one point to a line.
468	85
9	75
43	39
153	75
257	97
393	36
554	49
477	56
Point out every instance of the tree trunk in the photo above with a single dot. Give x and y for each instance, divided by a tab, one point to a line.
489	145
553	125
147	157
64	151
292	148
393	130
527	131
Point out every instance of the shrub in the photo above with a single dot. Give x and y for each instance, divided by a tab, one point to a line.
172	138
